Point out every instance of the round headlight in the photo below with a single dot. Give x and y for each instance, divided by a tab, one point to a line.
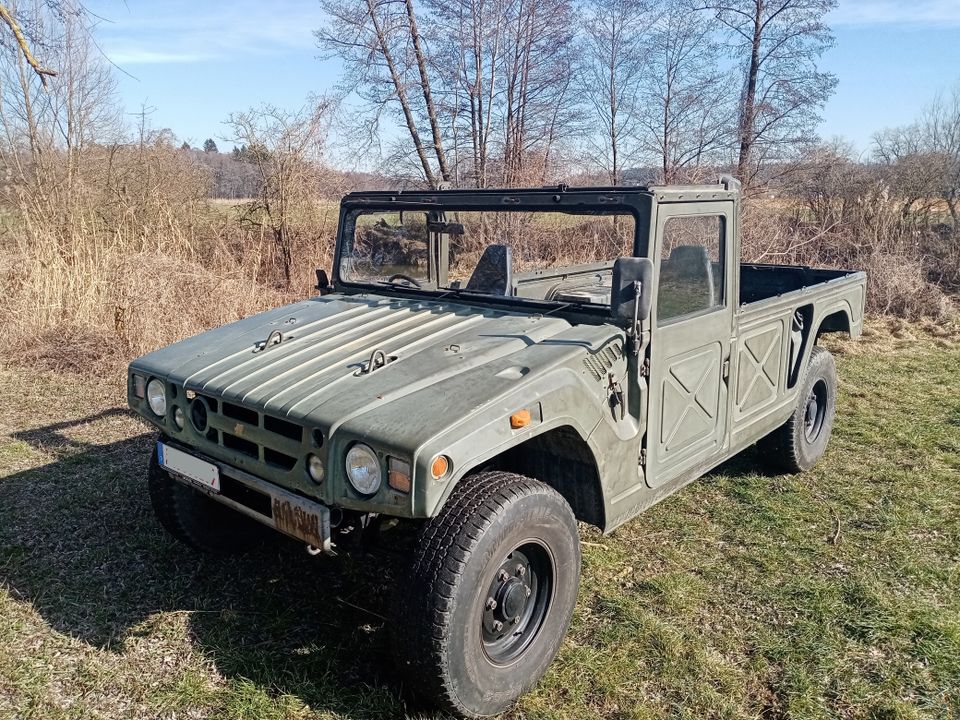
157	397
363	469
316	469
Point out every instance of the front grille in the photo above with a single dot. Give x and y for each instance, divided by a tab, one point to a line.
272	441
236	412
251	449
283	427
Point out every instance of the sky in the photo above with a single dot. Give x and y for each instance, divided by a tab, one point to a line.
191	64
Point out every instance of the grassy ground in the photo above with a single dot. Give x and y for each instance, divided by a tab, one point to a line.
828	595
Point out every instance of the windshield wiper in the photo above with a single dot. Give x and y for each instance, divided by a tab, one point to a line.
400	283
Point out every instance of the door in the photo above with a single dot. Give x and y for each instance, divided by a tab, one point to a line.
691	323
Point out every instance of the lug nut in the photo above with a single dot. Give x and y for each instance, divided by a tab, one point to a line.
491	604
527	589
497	626
502	576
521	571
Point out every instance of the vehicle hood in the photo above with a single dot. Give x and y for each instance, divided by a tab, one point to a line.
314	373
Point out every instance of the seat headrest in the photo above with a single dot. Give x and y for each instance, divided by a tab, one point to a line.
689	261
494	271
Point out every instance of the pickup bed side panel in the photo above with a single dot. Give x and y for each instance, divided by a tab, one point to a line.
767	352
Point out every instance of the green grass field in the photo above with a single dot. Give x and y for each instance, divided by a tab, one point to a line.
835	594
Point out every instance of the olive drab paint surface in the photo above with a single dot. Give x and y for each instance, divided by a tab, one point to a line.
418	373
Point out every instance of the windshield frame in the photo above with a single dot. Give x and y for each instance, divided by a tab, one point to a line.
634	201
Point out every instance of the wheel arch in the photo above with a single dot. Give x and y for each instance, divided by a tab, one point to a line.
561	458
835	320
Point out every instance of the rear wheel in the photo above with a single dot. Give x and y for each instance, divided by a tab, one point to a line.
490	593
196	520
798	444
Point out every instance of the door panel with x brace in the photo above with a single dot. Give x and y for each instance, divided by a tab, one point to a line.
690	400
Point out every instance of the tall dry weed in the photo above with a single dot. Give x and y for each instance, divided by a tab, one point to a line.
137	259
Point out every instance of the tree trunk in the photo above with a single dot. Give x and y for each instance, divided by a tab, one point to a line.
427	96
401	95
748	111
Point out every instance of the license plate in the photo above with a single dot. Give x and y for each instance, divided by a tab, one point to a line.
190	467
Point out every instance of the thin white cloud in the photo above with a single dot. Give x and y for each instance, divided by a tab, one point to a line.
180	32
135	56
927	13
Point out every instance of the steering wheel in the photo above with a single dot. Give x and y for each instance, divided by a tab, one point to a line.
405	278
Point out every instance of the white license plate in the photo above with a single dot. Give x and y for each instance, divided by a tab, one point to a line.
190	467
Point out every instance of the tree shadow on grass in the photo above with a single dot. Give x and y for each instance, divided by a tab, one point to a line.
79	542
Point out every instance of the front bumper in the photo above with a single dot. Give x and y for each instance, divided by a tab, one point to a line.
286	512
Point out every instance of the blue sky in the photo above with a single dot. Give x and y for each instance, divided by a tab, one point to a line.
194	63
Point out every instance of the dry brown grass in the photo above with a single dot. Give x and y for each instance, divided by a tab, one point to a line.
138	258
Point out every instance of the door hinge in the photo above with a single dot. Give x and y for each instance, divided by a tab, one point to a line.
726	369
643	458
645	368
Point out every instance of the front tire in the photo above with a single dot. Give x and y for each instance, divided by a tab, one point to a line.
798	444
489	595
196	520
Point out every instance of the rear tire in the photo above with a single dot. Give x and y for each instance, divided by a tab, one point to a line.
798	444
489	595
197	521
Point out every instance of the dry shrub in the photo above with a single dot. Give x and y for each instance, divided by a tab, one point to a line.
137	259
842	214
899	286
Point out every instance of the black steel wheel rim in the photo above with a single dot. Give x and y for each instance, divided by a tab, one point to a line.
815	411
517	602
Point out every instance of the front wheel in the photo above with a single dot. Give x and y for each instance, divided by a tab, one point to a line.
490	593
798	444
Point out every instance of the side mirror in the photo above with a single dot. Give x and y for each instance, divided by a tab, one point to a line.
323	282
625	302
631	294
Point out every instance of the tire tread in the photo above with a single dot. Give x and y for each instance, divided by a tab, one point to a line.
424	606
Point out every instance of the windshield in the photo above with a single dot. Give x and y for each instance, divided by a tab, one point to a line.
535	255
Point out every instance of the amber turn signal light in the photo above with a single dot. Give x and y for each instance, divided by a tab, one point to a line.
520	419
440	467
398	474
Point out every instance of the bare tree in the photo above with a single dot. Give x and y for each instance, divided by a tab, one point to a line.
286	147
686	100
614	61
911	171
49	120
778	44
468	46
922	160
539	58
385	63
7	16
941	128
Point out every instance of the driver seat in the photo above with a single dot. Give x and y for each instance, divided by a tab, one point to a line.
493	274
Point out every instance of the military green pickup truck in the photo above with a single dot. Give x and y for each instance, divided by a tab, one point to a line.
494	366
